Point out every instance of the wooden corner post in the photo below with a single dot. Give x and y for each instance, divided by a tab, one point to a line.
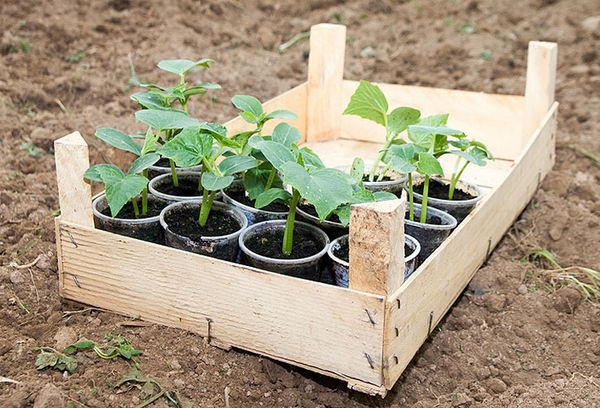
377	246
540	85
74	194
324	102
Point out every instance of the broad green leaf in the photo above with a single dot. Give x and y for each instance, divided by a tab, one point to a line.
80	345
143	162
248	117
119	192
166	119
310	159
212	182
281	114
461	144
357	170
150	142
188	148
271	195
46	359
326	189
428	165
368	102
119	140
434	120
402	165
384	196
150	100
181	66
208	85
219	132
255	181
249	104
243	137
103	172
401	118
276	153
476	156
286	135
236	164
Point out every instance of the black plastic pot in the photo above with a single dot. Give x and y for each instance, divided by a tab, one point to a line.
163	167
459	209
147	229
162	186
222	246
431	234
254	215
305	268
333	229
338	254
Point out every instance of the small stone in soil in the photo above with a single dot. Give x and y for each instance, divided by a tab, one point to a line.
269	244
440	190
184	221
127	213
186	188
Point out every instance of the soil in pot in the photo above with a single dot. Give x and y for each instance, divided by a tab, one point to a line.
236	196
242	198
162	186
186	188
430	235
163	166
217	238
332	225
146	227
437	189
261	247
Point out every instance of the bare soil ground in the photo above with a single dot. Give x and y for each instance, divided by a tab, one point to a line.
509	341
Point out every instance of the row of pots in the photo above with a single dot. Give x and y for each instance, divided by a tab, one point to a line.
421	239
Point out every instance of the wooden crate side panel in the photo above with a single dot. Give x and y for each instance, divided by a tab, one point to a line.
490	118
293	100
323	327
417	307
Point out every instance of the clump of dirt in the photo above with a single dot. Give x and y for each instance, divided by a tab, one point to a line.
508	341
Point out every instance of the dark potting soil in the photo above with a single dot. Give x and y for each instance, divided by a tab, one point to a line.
343	251
310	209
431	219
184	221
440	190
385	178
269	244
163	162
154	209
241	198
186	188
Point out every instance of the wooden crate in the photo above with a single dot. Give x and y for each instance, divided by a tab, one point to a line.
365	335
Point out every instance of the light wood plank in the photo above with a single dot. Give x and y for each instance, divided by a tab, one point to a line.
540	85
489	118
323	327
74	194
325	102
417	307
293	100
377	246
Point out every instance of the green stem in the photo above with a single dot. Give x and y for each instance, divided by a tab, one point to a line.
411	200
384	171
200	188
423	218
270	179
174	173
206	206
386	146
454	181
288	235
136	210
145	196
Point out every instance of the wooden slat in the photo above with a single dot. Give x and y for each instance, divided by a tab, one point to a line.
74	194
325	102
416	308
322	327
539	88
293	100
489	118
377	246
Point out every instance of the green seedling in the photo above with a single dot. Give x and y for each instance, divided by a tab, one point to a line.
151	390
252	111
194	145
468	151
171	99
303	171
49	357
114	346
32	150
369	102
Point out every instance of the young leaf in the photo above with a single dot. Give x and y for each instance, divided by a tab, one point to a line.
181	66
368	102
428	165
243	137
208	85
166	119
434	120
272	194
402	165
119	192
248	117
150	142
188	148
46	359
281	114
212	182
276	153
236	164
219	132
80	345
326	189
286	135
401	118
143	162
476	156
255	181
103	173
357	171
119	140
310	159
249	104
150	100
